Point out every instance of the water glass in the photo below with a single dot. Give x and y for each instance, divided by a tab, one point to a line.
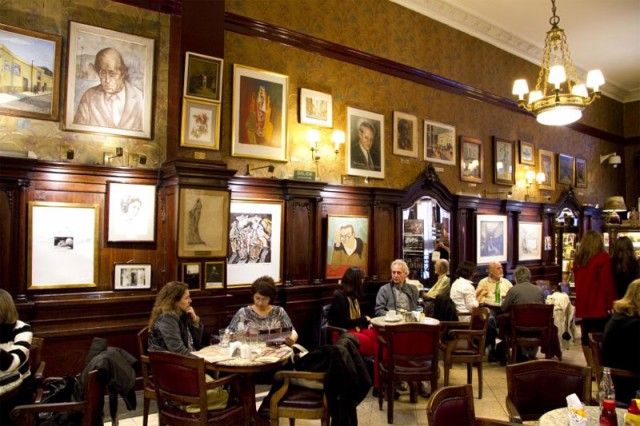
224	337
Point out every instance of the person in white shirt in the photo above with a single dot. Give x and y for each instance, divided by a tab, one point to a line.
463	294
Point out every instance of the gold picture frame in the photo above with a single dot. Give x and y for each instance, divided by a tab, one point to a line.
206	238
547	165
200	124
471	159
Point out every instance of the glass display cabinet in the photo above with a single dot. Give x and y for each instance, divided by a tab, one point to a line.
567	238
628	228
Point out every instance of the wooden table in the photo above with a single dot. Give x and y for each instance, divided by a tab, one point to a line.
560	417
383	321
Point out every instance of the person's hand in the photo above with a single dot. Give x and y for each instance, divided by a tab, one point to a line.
192	314
289	341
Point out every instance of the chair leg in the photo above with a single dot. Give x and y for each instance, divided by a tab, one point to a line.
446	373
145	411
480	380
514	352
390	400
292	422
469	373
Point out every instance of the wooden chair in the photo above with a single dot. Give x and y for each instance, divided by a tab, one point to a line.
535	387
91	407
327	331
407	352
531	326
467	346
180	380
293	401
149	390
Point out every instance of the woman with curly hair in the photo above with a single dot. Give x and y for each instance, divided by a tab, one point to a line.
624	264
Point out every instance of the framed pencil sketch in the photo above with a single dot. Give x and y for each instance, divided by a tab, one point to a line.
439	143
109	82
213	275
547	166
504	162
132	212
200	124
566	169
207	237
191	275
365	147
581	173
132	276
527	153
316	108
31	69
259	114
491	238
529	241
347	244
255	241
203	77
405	134
470	159
63	245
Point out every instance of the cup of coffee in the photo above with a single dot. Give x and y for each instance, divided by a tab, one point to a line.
391	313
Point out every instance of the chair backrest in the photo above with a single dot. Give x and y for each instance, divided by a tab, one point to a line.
595	343
35	354
480	318
412	346
451	405
531	317
143	346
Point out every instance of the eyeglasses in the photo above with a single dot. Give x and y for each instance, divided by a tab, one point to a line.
345	237
110	74
260	299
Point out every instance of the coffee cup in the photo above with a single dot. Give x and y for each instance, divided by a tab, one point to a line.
391	313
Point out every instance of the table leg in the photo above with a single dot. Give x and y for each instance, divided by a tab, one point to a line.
249	402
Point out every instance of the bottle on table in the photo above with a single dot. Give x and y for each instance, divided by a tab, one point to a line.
606	391
497	298
632	416
608	415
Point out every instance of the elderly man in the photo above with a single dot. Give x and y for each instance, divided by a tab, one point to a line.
442	285
397	294
495	280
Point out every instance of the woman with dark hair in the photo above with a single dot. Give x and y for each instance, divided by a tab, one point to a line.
463	294
624	264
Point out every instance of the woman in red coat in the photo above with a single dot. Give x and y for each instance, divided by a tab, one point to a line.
595	289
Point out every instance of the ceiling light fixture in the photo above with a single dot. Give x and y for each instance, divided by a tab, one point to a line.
560	105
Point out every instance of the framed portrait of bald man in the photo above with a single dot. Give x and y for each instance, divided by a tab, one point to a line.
109	82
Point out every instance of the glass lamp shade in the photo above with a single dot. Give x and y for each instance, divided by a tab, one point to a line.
559	115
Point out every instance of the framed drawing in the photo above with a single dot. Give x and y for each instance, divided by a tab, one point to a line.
316	108
504	162
547	166
347	244
132	213
63	245
405	134
191	275
529	241
439	143
259	114
200	124
255	241
203	77
31	68
365	147
581	173
206	238
491	238
527	153
566	170
470	159
213	275
132	276
109	82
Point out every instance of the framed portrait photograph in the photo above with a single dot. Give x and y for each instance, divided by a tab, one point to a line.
405	134
546	165
439	143
31	69
529	241
109	82
527	153
316	108
132	276
200	124
213	275
470	159
566	169
491	238
131	213
203	77
255	241
191	275
504	162
63	245
259	114
347	244
206	237
365	145
581	173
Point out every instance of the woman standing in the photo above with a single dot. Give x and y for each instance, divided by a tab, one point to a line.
624	264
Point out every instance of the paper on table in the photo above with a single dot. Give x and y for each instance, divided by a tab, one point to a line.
577	413
272	354
212	354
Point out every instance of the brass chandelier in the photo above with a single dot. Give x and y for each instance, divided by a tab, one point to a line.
560	104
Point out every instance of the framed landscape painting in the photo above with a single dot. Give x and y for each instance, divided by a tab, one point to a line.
581	173
316	108
203	77
470	159
547	166
439	143
527	151
504	163
565	169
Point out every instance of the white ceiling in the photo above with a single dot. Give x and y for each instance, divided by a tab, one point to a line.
602	34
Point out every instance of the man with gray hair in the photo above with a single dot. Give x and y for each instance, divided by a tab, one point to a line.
364	151
397	294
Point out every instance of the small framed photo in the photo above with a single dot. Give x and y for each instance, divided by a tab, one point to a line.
547	166
206	237
191	275
316	108
132	212
365	145
504	162
527	153
200	124
405	134
31	69
203	77
581	173
529	241
439	143
470	159
132	276
213	275
566	169
491	238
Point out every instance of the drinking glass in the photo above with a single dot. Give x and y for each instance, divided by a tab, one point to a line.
224	337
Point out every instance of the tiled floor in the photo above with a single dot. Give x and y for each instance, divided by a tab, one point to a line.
492	405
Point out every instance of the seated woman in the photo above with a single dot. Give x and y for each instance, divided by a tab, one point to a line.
463	294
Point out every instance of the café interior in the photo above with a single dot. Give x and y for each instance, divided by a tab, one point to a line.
248	114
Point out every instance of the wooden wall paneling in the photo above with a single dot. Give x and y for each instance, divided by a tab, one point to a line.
385	233
299	248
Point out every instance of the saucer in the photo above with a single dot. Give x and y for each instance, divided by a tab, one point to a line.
395	318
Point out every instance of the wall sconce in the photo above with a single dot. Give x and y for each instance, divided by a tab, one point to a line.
613	205
614	159
313	137
531	175
106	158
249	170
337	137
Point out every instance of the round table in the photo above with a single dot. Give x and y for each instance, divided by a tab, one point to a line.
560	416
383	322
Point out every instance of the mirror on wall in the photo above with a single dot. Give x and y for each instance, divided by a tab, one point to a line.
426	226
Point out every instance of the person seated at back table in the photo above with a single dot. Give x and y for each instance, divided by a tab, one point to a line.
463	294
495	280
442	285
397	294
